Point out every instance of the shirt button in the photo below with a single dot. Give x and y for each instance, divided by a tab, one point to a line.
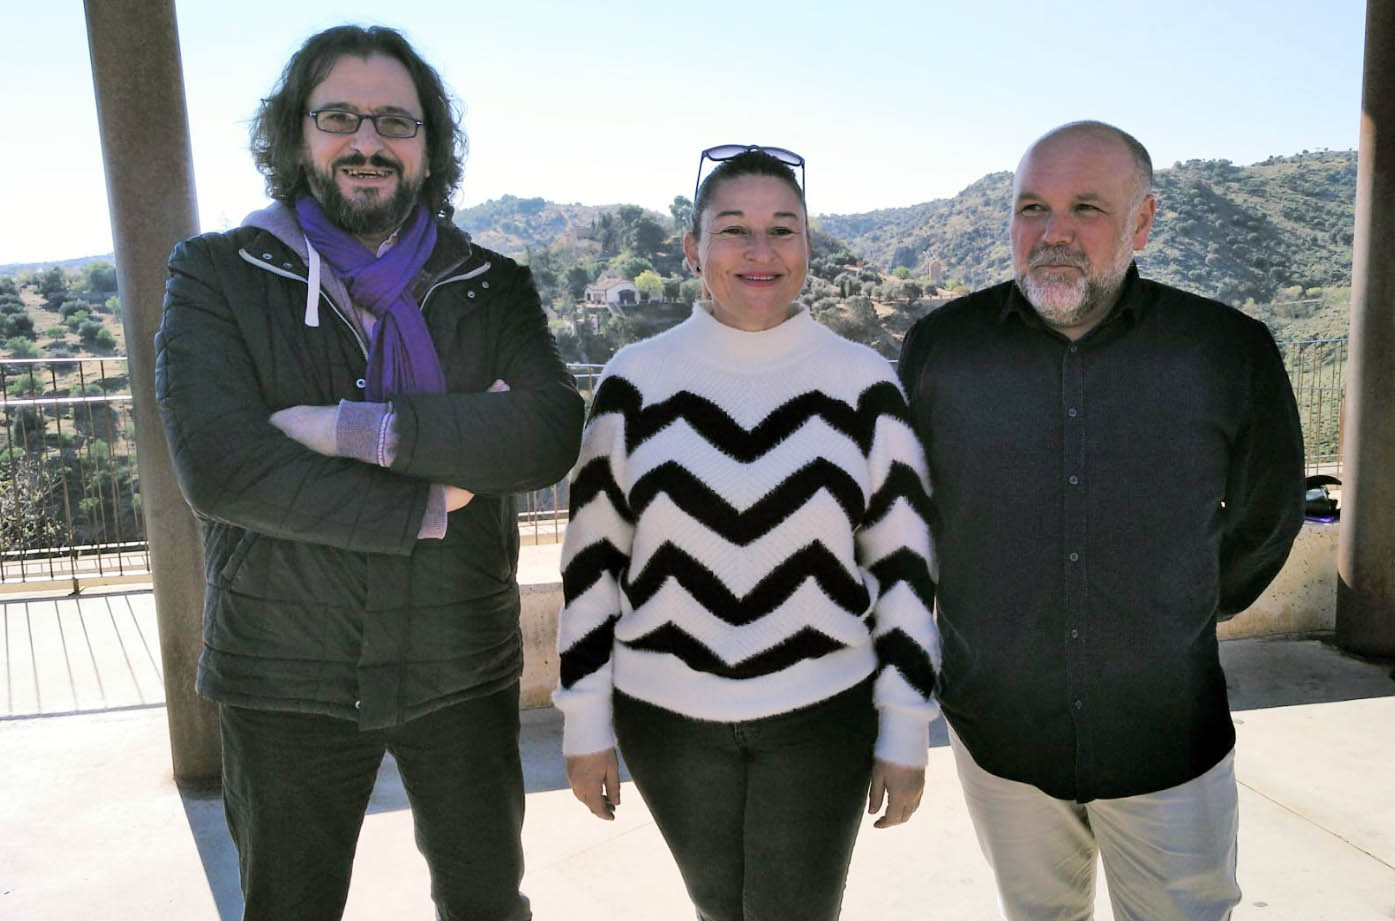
484	284
358	705
1074	480
1074	349
1072	412
469	293
266	255
1080	705
1075	634
1075	557
361	384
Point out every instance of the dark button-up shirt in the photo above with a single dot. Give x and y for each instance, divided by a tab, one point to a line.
1097	504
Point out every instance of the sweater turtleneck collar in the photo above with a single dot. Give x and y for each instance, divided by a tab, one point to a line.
729	345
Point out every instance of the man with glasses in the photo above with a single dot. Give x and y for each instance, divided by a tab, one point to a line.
1117	464
352	393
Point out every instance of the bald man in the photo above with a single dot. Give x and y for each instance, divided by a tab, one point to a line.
1117	465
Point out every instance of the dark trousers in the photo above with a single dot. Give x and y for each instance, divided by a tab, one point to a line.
760	815
295	788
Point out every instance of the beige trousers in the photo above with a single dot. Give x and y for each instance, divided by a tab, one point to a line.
1168	856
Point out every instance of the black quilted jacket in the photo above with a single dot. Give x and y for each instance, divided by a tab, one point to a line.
320	597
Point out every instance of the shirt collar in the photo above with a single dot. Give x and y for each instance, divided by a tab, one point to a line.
1130	304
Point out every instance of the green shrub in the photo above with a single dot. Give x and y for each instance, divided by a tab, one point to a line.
21	325
20	347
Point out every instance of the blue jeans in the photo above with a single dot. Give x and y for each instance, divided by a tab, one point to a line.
760	815
295	788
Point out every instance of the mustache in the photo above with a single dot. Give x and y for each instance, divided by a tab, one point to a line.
1058	255
377	161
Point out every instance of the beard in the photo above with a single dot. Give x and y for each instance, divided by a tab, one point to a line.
366	214
1088	293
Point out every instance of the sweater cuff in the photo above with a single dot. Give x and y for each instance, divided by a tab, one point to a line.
433	523
587	725
903	738
359	430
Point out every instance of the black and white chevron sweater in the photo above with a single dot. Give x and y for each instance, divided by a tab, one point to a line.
748	535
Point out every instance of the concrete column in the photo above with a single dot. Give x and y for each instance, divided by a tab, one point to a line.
1366	549
150	193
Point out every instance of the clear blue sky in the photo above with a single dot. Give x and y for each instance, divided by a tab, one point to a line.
892	103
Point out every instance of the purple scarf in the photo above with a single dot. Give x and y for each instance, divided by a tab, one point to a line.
401	356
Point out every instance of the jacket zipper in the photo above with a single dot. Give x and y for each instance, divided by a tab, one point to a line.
276	270
473	273
363	346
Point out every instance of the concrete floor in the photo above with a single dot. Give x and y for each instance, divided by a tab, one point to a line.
91	825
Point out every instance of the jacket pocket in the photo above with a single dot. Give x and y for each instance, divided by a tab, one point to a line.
235	559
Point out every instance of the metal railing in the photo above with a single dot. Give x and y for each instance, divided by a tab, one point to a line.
70	494
1317	368
69	489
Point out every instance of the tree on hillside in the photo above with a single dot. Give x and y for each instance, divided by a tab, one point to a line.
577	280
650	284
99	278
649	235
627	265
52	281
682	211
605	231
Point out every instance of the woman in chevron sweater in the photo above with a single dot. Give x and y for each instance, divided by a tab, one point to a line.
748	573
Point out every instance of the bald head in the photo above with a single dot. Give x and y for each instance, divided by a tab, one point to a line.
1081	209
1101	133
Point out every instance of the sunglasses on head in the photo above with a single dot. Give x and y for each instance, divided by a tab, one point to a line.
724	152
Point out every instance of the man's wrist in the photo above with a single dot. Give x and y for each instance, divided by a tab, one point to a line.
365	432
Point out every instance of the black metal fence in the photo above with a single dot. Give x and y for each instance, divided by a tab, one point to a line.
70	496
1317	368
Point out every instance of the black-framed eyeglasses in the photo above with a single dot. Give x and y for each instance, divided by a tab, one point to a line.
730	151
391	125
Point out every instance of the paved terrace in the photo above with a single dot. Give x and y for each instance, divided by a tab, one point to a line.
92	826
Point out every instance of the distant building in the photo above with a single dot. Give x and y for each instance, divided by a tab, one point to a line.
937	272
614	293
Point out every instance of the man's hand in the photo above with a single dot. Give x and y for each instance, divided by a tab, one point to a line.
595	780
312	426
901	786
457	497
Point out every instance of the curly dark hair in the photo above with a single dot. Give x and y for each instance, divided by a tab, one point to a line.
277	128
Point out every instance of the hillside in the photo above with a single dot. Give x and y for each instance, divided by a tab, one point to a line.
1223	230
1273	238
514	225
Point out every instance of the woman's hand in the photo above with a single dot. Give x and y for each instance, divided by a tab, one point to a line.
901	786
595	780
457	497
